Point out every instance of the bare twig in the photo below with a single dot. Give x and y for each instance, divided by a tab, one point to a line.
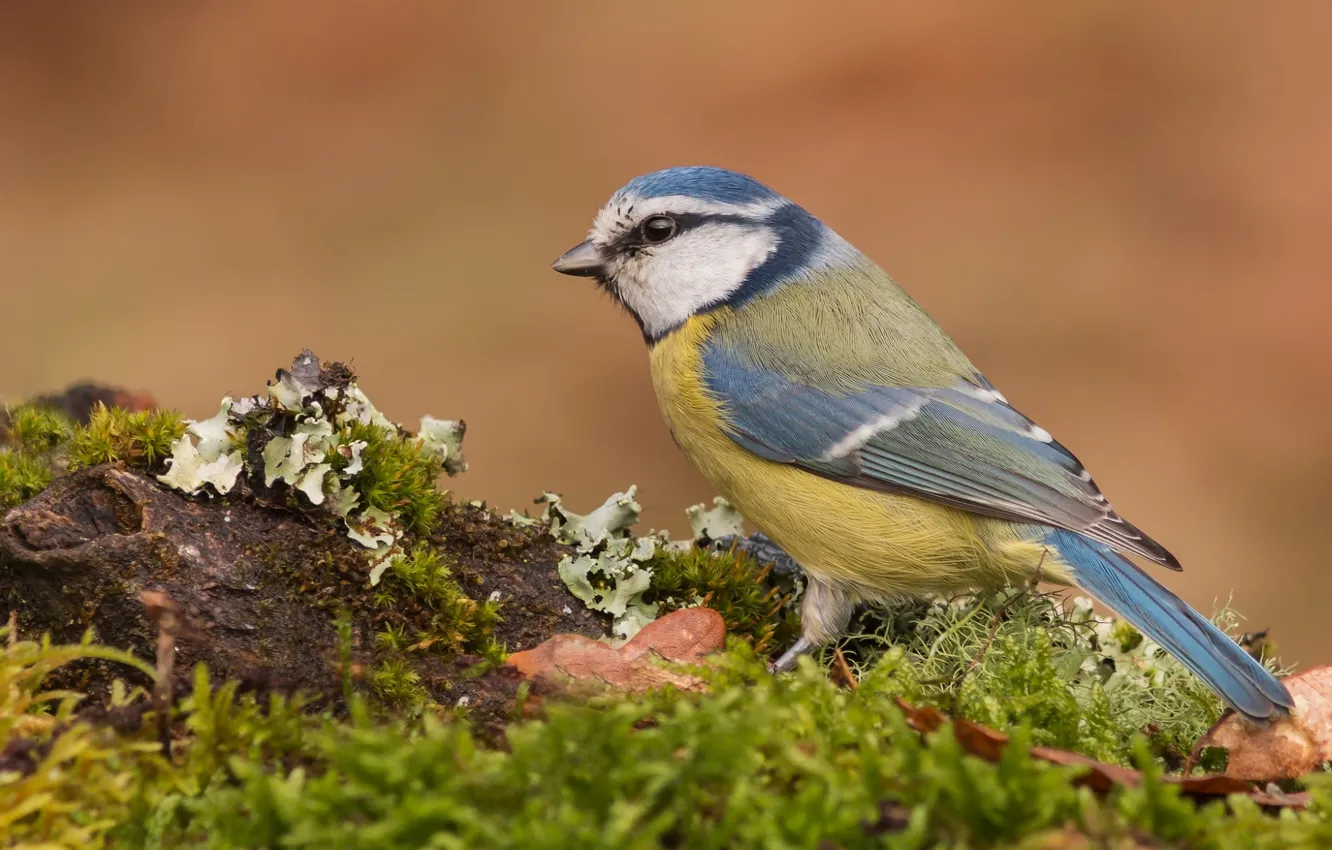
162	609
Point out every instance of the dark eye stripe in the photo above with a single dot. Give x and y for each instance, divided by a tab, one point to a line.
633	240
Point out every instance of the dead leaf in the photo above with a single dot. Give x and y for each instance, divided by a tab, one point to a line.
1285	749
989	744
683	637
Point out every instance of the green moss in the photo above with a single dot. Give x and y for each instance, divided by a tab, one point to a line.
761	762
393	638
141	439
734	585
452	620
1018	658
22	476
36	443
33	429
399	475
758	761
79	780
398	686
30	437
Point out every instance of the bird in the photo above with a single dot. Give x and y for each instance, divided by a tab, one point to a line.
821	401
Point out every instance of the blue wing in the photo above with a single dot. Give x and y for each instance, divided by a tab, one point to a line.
961	445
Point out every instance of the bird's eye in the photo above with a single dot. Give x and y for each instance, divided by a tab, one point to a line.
658	229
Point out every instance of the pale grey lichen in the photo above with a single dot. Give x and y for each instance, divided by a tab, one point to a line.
609	570
306	420
210	453
587	531
721	520
443	438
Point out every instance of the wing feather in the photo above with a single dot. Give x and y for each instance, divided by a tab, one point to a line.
962	445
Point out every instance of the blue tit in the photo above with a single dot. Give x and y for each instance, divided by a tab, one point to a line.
820	400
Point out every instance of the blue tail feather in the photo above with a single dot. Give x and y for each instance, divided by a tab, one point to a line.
1183	632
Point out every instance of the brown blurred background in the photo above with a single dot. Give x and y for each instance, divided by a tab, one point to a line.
1120	210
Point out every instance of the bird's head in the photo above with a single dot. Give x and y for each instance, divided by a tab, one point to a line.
675	243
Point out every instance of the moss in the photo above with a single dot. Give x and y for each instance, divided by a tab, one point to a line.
399	475
141	439
398	685
757	760
37	443
754	607
62	783
33	429
791	761
22	476
1014	657
30	436
452	620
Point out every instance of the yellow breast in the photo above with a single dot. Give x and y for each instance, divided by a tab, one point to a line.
871	543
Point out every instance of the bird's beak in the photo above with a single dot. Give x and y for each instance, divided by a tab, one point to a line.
580	261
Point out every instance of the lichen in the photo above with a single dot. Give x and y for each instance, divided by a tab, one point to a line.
212	455
608	569
799	760
315	438
637	579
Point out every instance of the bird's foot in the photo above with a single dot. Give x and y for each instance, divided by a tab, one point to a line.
787	661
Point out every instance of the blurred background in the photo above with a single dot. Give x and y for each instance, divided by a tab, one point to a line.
1120	210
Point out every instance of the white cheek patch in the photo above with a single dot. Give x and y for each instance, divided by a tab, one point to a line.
666	284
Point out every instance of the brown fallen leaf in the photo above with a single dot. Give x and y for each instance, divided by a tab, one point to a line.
684	636
1286	749
989	744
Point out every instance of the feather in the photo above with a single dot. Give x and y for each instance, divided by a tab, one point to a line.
1165	618
858	417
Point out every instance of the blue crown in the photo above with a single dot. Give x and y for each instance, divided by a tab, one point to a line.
703	182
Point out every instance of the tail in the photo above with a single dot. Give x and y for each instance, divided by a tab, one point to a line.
1183	632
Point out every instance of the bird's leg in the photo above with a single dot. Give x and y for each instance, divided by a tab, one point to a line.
824	615
787	661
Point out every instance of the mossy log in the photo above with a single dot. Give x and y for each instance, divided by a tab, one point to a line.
261	587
